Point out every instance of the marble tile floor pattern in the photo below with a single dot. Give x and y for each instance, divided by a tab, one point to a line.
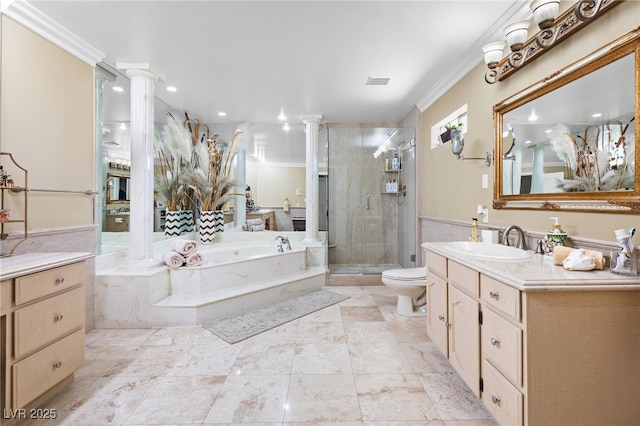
354	363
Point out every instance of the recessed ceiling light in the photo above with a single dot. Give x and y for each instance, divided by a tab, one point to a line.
222	113
117	89
597	114
548	131
171	89
527	141
282	117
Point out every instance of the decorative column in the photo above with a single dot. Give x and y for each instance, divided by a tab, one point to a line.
241	200
312	126
537	173
143	78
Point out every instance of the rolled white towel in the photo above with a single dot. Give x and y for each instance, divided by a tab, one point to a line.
578	261
173	259
255	228
185	247
253	222
194	259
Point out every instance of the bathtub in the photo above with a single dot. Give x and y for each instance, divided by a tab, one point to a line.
231	266
240	271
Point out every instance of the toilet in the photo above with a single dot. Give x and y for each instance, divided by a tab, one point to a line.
410	284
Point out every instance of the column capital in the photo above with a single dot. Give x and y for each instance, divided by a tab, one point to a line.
143	69
313	118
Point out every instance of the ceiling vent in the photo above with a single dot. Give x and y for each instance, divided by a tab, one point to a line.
378	81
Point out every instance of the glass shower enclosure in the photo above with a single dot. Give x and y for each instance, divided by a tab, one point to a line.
372	208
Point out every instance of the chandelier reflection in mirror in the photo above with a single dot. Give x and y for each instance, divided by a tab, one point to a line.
553	30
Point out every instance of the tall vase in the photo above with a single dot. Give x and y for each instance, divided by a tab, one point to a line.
219	220
173	223
207	231
186	218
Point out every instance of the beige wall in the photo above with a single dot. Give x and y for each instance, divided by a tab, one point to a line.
451	189
271	184
47	123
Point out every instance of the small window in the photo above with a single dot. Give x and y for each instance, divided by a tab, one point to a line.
457	118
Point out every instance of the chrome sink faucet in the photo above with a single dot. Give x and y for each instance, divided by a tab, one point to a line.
284	241
521	243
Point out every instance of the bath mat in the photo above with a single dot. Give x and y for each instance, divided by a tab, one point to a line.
242	326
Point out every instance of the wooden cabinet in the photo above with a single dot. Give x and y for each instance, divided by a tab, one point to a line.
43	333
453	316
437	325
557	355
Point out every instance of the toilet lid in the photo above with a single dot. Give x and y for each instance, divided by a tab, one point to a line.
408	274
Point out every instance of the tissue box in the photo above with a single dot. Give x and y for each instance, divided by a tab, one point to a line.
490	236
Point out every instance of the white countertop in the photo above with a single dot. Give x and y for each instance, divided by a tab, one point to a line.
28	263
537	273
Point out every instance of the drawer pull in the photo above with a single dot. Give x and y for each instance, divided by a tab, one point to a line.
440	317
494	341
59	317
59	280
495	400
493	294
57	364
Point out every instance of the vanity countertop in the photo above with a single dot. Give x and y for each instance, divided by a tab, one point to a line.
28	263
540	274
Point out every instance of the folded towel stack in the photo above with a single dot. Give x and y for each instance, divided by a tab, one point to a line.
183	253
185	247
253	225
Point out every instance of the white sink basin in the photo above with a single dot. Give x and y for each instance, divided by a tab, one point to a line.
487	251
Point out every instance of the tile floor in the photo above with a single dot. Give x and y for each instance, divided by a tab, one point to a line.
354	363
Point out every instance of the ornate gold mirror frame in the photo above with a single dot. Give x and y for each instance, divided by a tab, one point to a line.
581	169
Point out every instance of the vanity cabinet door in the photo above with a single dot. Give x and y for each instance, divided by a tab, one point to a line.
437	311
464	337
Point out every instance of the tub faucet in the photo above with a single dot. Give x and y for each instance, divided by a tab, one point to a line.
284	241
520	243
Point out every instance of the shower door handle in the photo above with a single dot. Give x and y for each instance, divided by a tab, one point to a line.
367	201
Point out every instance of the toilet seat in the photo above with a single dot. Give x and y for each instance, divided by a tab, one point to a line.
407	274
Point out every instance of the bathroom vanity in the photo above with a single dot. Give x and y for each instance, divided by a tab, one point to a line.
42	309
538	344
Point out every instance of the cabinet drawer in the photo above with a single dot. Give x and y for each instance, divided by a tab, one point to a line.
46	321
464	278
500	296
502	345
502	399
36	374
436	263
40	284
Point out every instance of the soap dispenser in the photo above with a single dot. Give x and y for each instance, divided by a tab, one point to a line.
555	237
474	230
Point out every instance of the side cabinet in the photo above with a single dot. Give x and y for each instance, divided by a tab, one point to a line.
43	330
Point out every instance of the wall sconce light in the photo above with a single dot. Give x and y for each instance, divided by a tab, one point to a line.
516	34
493	53
553	29
544	12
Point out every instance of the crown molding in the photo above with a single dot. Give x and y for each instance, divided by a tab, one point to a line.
517	11
36	21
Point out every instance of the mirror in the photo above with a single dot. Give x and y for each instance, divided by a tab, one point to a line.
118	188
568	141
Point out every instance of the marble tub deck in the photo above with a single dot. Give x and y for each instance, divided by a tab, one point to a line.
354	363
